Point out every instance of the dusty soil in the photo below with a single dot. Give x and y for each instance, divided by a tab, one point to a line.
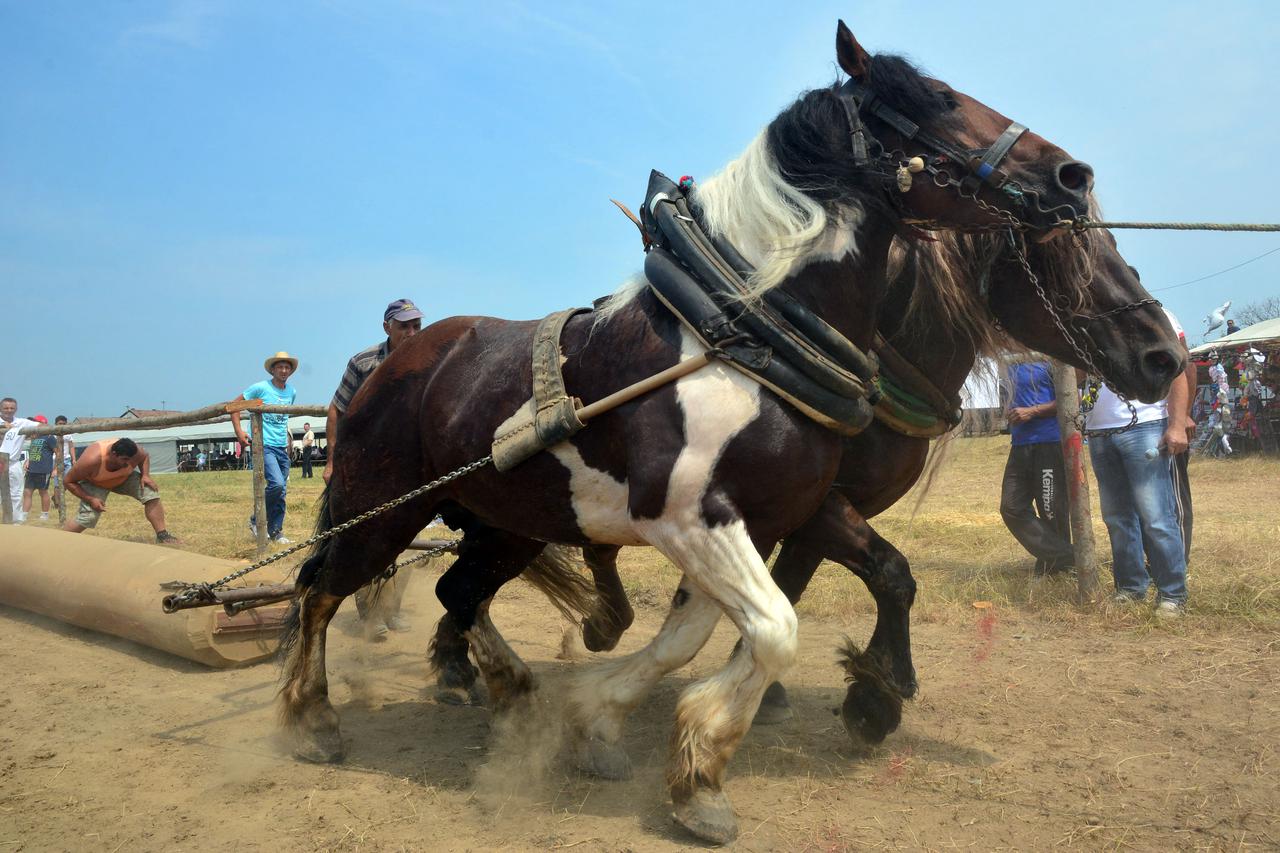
1026	736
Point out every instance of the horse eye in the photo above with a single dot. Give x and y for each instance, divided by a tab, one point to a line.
950	100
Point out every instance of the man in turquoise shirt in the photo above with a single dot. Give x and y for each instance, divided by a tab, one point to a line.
277	441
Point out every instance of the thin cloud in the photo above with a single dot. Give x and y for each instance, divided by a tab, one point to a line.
190	23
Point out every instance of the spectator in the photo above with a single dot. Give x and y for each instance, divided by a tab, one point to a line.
121	467
1232	328
202	461
308	441
1033	495
1136	489
68	445
13	465
41	450
277	441
400	321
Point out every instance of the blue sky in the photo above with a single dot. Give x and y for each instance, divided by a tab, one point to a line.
187	187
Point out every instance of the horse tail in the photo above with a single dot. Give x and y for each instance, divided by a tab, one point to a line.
558	575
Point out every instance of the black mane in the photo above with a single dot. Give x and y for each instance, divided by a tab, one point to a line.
810	139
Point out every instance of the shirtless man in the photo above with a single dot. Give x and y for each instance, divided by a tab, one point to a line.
121	467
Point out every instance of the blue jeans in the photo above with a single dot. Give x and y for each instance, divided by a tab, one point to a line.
1137	498
275	465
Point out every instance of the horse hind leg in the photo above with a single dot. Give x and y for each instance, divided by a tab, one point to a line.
612	614
305	711
487	559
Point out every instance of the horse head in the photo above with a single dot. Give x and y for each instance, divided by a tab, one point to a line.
1086	306
953	159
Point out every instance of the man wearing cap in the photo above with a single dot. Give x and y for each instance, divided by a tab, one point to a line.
41	450
277	441
400	321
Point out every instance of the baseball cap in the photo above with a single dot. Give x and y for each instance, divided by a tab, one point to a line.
401	309
41	419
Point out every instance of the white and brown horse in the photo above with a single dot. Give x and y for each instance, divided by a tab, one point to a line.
712	470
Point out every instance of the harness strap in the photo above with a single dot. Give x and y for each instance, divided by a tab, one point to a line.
554	417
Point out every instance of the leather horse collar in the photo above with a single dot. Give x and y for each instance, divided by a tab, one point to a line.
775	340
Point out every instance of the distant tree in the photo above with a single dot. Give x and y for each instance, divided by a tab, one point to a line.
1256	312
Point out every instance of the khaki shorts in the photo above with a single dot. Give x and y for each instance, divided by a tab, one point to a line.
87	516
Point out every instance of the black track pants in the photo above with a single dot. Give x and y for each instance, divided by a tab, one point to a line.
1033	503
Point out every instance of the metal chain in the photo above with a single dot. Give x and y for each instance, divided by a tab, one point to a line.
1081	352
204	591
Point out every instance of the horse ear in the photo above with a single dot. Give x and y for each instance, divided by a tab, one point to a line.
853	59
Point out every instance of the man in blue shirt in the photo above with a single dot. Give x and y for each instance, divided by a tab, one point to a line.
1033	496
277	441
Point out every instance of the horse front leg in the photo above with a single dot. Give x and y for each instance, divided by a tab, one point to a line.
883	675
612	614
305	711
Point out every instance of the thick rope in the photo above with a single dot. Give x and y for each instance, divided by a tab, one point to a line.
1080	224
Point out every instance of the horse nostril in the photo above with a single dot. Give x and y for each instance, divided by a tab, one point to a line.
1075	177
1161	363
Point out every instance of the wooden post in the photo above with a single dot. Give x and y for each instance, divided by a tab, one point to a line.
7	516
1064	382
259	481
59	489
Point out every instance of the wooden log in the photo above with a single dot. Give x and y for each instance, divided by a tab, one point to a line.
202	415
259	482
115	588
1068	397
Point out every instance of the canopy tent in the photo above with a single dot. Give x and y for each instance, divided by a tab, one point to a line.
1264	336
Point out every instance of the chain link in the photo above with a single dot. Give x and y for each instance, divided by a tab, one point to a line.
203	592
1082	353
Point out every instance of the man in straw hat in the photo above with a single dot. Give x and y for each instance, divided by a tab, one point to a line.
277	441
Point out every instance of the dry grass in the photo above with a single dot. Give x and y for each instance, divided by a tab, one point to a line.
959	548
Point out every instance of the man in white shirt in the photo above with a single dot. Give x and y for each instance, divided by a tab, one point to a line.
13	465
1136	489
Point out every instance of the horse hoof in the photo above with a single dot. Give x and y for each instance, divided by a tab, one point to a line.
708	815
320	748
455	695
870	714
605	760
774	708
598	639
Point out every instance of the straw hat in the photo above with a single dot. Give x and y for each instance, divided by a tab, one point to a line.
280	356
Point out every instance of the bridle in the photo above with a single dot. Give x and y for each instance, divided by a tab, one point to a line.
980	167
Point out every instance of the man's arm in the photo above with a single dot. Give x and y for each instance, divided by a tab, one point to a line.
235	424
1177	406
144	468
330	439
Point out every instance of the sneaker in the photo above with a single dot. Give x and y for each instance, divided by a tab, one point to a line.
280	539
164	537
398	623
44	516
1123	598
253	528
1169	609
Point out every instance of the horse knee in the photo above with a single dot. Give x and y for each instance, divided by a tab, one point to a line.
774	641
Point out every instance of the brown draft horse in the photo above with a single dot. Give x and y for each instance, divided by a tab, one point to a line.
947	302
679	469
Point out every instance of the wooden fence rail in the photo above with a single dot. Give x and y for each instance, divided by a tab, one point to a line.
215	413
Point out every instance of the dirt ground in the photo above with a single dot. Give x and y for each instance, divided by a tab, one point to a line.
1025	736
